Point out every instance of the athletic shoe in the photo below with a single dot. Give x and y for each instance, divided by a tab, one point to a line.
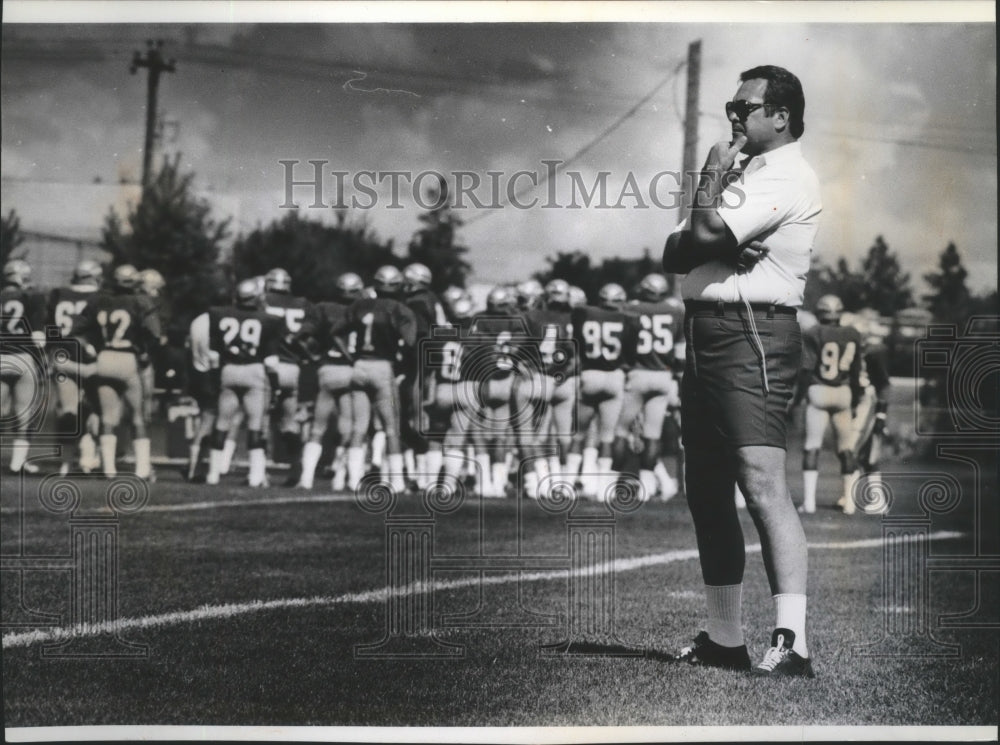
805	511
781	660
707	653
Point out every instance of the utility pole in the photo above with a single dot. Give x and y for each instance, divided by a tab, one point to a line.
155	63
690	160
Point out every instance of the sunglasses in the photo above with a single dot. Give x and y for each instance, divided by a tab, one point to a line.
743	109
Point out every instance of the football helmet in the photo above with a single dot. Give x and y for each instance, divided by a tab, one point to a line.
87	272
529	294
451	294
829	309
612	295
388	281
278	280
152	282
417	277
349	286
577	296
249	293
17	272
501	300
462	309
126	277
653	287
557	292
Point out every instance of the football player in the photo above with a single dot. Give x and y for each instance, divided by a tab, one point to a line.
831	380
75	382
415	390
870	421
334	380
378	329
22	336
650	386
246	338
120	328
600	334
551	392
279	301
151	284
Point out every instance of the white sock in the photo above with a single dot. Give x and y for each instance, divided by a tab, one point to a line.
725	614
214	467
500	478
109	444
258	466
88	452
790	613
311	452
143	466
410	463
668	484
18	454
355	467
454	463
435	459
649	484
849	481
484	476
396	479
809	479
378	448
422	477
573	463
555	468
228	449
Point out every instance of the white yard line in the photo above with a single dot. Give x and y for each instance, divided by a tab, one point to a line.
231	610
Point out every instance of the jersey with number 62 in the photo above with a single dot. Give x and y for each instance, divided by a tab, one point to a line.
119	322
243	336
602	337
657	332
832	355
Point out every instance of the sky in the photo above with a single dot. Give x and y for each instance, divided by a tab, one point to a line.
900	125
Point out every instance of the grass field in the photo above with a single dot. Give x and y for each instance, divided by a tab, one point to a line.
251	605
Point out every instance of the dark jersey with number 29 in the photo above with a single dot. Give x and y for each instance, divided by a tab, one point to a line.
243	336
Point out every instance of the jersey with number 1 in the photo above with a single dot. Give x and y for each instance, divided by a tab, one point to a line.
601	336
377	328
243	336
832	354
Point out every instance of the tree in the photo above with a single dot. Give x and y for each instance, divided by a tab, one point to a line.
950	301
313	253
887	287
171	230
10	237
576	269
435	246
837	280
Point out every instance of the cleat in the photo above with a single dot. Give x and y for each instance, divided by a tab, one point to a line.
781	660
706	653
803	510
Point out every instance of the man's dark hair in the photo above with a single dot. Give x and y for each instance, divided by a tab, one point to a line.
783	89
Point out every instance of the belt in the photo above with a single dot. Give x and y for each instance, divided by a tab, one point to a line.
719	308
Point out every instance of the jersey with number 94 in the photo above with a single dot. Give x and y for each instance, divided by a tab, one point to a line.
243	336
602	337
832	354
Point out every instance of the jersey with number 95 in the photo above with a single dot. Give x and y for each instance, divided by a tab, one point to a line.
601	337
243	336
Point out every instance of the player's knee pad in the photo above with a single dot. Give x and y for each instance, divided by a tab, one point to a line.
810	460
848	463
255	440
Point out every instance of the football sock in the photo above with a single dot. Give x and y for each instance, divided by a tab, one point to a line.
227	455
725	614
649	484
214	467
485	476
18	455
396	475
500	478
355	467
258	466
109	444
668	484
143	467
790	613
311	452
849	480
435	459
809	479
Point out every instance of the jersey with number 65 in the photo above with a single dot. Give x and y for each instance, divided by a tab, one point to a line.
832	355
243	336
602	337
658	328
119	322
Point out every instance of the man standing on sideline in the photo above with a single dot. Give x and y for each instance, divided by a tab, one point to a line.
745	250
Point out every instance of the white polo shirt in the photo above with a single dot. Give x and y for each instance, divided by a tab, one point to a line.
198	336
777	201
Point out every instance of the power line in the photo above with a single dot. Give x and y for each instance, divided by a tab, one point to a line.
590	145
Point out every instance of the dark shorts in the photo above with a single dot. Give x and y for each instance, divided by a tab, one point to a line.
723	398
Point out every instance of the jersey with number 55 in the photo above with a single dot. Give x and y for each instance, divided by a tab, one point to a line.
832	355
243	336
